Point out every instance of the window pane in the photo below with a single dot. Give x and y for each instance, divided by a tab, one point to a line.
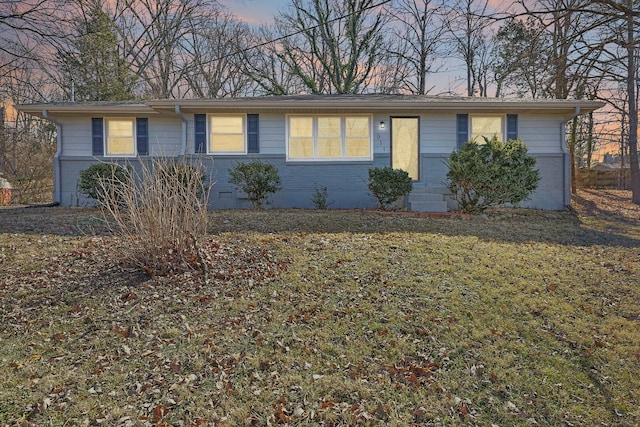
120	146
300	127
301	148
358	147
225	124
328	127
486	127
117	128
357	126
120	138
231	143
227	134
330	147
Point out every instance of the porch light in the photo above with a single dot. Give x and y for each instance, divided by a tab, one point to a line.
382	125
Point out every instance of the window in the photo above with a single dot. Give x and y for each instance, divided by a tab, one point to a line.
119	137
329	138
301	138
486	127
227	135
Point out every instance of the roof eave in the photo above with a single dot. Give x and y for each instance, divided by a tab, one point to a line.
88	109
470	106
283	105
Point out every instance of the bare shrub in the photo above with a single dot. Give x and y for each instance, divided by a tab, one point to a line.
27	166
160	214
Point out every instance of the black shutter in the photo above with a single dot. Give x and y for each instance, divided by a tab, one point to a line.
512	126
97	136
253	140
462	129
142	136
200	135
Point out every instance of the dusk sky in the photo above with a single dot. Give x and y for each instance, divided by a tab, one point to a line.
449	76
255	11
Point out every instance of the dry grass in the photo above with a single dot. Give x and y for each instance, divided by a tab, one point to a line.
329	318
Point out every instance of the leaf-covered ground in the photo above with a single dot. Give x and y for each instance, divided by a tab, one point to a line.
517	317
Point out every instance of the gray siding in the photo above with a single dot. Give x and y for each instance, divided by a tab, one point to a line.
541	133
165	136
77	136
437	133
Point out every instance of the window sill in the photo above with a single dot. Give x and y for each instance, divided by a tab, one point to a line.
329	162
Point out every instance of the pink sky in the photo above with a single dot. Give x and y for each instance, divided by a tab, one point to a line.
263	11
255	11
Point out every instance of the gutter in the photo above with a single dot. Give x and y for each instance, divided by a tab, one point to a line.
183	148
57	185
566	170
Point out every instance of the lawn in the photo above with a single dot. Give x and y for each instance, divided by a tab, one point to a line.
517	317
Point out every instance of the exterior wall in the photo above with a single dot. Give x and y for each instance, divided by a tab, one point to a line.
437	133
541	133
70	168
346	181
549	194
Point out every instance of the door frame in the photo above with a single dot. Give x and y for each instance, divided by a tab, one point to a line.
417	142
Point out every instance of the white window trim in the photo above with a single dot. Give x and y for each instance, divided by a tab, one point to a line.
503	125
105	136
244	135
343	137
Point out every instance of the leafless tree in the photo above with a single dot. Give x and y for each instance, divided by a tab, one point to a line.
215	44
416	44
155	34
24	24
469	28
264	64
608	30
334	44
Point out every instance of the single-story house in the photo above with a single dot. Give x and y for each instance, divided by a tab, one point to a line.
315	141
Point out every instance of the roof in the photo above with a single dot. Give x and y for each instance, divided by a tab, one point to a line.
316	103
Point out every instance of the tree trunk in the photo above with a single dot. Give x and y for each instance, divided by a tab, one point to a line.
590	142
572	152
633	110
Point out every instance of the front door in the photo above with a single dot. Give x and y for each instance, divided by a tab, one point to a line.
405	142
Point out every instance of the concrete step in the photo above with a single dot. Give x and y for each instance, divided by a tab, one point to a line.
428	199
430	206
430	189
425	197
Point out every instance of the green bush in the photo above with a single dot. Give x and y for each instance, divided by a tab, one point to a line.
257	179
319	197
388	185
101	177
491	174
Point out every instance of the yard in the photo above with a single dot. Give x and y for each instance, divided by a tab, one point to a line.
329	318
